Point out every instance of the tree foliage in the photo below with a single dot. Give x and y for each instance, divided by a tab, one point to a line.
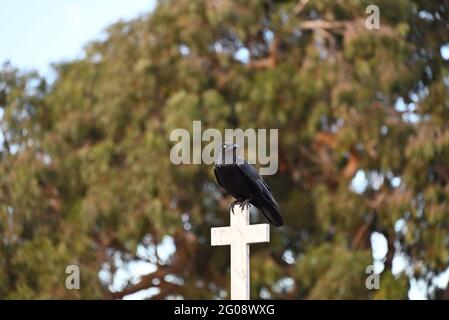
86	178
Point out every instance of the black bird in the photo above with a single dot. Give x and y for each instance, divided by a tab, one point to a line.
244	183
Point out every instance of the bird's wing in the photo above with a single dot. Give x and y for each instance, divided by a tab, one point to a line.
217	178
265	200
256	180
252	173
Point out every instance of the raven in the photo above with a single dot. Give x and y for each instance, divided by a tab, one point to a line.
244	183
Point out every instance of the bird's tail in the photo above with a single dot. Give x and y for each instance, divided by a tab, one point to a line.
271	211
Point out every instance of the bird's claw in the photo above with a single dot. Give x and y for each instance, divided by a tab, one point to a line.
242	205
233	203
245	204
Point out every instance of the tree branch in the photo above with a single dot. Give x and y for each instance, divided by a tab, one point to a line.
300	6
144	283
322	24
5	140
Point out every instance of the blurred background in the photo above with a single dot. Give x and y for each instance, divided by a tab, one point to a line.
90	91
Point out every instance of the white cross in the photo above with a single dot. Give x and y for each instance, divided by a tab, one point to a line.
239	235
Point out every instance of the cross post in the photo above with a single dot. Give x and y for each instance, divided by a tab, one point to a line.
239	235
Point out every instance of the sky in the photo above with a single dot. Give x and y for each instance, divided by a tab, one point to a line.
36	33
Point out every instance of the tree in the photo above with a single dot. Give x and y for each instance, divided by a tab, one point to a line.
362	115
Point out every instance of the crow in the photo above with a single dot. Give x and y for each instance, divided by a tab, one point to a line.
244	183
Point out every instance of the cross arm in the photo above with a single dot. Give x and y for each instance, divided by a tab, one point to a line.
258	233
220	236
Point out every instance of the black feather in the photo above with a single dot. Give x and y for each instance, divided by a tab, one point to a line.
243	182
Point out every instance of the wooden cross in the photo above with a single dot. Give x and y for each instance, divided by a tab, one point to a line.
239	235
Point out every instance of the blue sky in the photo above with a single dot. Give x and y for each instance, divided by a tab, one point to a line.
35	33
